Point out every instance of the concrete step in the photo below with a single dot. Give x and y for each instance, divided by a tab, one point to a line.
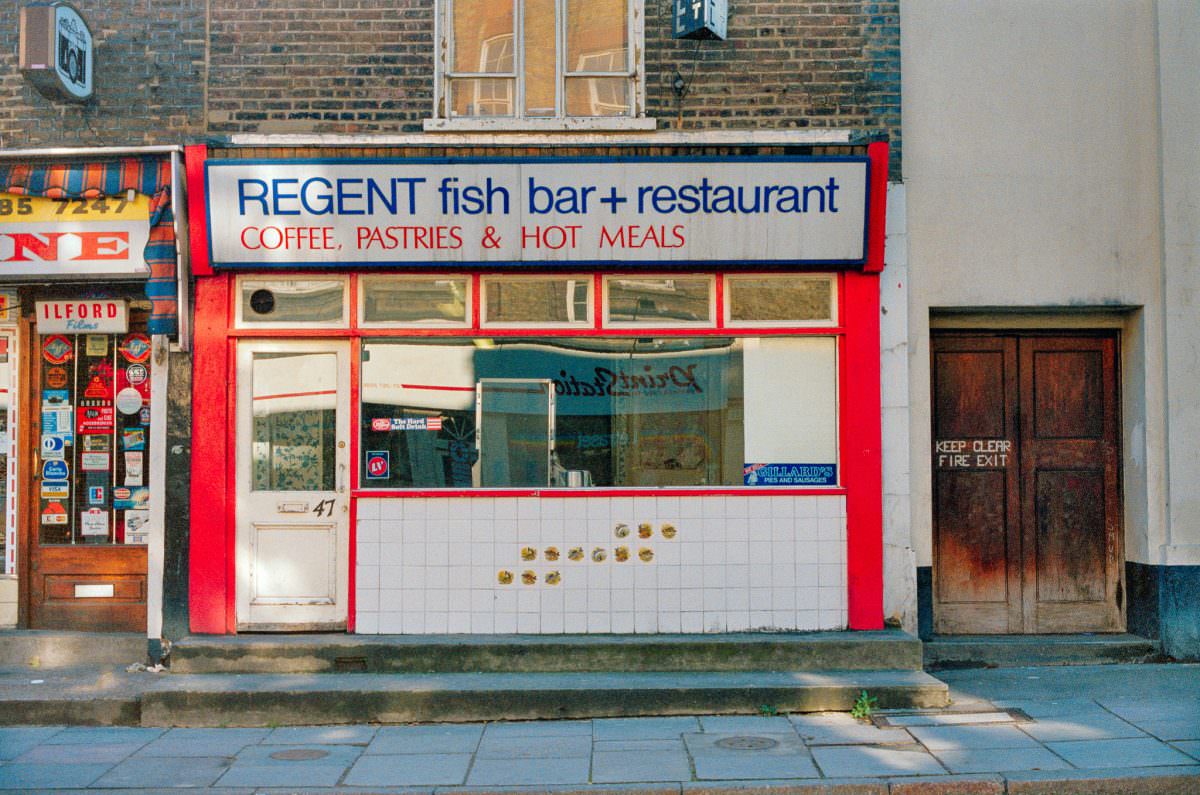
58	649
333	653
306	699
944	652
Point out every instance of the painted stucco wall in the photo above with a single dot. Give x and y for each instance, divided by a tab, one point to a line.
1032	176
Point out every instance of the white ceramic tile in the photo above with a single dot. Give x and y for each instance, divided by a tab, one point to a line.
761	619
691	508
831	619
830	599
808	598
412	600
713	600
575	509
599	622
390	599
416	509
414	623
714	622
438	508
833	575
528	509
505	623
714	507
459	623
691	576
669	622
366	600
760	553
367	531
669	577
691	553
758	506
783	575
391	623
737	529
529	623
528	600
737	620
391	509
437	553
714	553
436	623
645	509
504	508
737	599
691	600
366	623
482	623
458	600
645	622
783	553
808	620
552	624
829	528
458	531
575	623
505	531
575	601
482	601
691	622
621	510
506	600
598	508
830	551
667	506
760	599
783	619
623	622
437	577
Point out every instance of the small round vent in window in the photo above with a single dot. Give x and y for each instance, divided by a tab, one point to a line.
262	302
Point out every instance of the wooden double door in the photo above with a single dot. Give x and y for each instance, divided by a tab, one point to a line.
1026	484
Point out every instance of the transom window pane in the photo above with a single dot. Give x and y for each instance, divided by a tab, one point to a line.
550	300
777	299
390	299
597	35
483	36
299	302
659	301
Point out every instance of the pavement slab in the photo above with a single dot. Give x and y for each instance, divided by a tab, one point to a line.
606	729
442	738
627	766
24	776
1000	760
957	738
409	770
749	756
869	761
534	772
1146	752
202	742
162	772
838	728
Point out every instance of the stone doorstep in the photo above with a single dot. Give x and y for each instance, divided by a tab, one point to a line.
332	653
1002	651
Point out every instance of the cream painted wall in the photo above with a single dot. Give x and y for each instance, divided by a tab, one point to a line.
1179	52
1032	173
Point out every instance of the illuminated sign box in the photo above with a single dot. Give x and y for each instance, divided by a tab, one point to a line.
701	19
56	52
783	211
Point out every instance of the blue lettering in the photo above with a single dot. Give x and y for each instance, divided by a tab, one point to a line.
325	196
244	197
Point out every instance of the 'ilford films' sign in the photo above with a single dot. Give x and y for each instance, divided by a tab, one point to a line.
782	211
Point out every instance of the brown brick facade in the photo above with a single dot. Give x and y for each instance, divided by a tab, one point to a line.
173	71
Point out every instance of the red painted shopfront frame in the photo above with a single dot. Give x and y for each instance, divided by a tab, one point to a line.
212	575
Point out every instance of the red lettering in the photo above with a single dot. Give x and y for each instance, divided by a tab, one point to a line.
44	250
103	245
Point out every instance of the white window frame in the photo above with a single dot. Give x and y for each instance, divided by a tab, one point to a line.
442	121
469	300
658	322
828	278
572	280
241	323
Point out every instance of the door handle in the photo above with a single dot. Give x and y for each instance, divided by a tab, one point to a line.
341	479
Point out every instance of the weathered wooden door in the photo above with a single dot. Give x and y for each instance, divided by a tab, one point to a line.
1026	484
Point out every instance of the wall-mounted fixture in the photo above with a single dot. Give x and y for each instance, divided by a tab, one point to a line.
56	53
701	19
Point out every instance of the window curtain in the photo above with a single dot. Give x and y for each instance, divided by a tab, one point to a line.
114	178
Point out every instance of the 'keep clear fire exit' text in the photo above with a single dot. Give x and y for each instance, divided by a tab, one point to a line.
971	453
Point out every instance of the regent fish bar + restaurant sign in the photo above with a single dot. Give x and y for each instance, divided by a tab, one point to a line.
780	211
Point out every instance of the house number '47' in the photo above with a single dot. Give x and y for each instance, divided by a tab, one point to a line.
324	508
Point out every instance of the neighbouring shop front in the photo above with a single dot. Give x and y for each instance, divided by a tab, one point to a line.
89	289
537	394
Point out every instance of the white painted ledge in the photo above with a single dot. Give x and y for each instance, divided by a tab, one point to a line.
805	137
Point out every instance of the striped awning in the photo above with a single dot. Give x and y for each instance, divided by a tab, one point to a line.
115	178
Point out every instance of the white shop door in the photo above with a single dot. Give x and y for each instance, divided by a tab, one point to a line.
293	465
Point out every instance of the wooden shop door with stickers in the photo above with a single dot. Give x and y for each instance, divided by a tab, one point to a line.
90	480
1026	484
293	490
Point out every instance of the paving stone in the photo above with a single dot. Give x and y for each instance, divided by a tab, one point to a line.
838	728
643	728
957	738
100	753
1105	726
1154	709
202	742
23	777
321	735
1189	747
533	747
458	738
852	761
403	770
545	728
16	740
611	767
166	772
74	735
1184	729
785	758
745	724
604	746
531	772
1146	752
1054	708
999	760
255	767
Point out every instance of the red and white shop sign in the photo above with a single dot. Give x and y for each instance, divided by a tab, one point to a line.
73	238
91	316
790	211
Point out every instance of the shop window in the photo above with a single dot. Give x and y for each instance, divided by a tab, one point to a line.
271	303
414	301
293	438
539	60
95	438
659	302
563	301
780	300
630	412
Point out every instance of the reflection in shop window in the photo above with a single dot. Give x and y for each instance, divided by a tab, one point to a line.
272	303
652	412
295	420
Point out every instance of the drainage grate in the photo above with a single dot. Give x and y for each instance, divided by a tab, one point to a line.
743	743
300	754
350	665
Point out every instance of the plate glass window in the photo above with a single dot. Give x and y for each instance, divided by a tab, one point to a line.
540	301
658	301
274	303
538	59
414	301
783	300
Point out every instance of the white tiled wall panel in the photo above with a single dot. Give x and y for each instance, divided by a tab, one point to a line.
734	564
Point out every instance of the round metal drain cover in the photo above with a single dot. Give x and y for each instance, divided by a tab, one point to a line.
300	754
742	743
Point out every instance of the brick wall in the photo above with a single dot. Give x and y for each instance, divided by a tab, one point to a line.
148	79
365	66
